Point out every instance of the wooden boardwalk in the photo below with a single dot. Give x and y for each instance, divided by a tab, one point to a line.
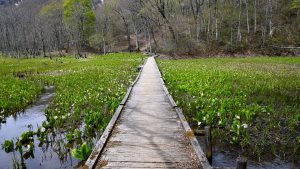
149	132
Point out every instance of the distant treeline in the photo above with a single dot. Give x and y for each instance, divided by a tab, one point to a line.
45	27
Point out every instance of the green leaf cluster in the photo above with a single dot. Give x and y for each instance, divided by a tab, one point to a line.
8	146
82	153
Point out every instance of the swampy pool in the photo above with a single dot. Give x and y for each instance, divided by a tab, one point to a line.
223	157
46	156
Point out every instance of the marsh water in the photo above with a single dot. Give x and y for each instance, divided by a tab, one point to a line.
223	157
45	156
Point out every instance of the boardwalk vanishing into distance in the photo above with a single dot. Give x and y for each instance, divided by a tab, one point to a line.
148	132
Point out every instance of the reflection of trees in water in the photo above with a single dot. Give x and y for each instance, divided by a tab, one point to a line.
55	147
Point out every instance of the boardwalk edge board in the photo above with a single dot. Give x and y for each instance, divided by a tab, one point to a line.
195	144
95	155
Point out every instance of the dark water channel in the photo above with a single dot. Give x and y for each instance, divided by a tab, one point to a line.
48	155
226	158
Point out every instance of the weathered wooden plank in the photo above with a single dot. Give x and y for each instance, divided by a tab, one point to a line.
153	98
160	143
130	165
143	157
145	154
144	113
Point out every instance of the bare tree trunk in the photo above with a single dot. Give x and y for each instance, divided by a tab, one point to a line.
190	32
255	16
270	6
195	6
104	45
128	36
126	26
231	36
137	44
263	32
209	19
149	40
164	34
146	38
198	29
153	37
173	34
239	35
43	44
265	27
247	15
216	20
222	19
161	6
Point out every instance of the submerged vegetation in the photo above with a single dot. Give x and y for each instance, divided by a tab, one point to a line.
253	103
87	92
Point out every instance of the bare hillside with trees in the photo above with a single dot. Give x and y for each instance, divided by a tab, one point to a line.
190	27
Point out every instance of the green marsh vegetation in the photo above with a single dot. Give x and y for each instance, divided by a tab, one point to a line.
252	103
87	92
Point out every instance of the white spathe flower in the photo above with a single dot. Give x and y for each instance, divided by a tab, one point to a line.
63	117
69	114
220	122
55	117
199	123
28	147
245	125
43	129
237	117
219	114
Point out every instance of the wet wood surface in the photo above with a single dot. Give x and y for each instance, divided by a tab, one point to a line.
148	133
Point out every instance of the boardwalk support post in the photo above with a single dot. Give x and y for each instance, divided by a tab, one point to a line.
241	163
198	132
208	143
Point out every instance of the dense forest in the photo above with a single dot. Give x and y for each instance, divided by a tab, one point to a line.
32	28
